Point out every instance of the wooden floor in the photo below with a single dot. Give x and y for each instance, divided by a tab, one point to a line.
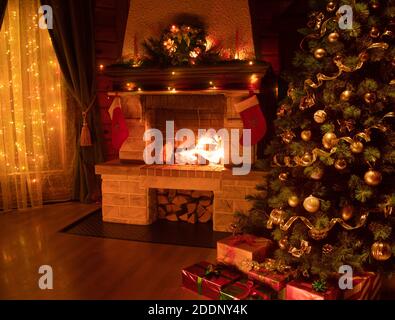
86	267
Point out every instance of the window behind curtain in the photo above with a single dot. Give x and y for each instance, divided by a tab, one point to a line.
37	136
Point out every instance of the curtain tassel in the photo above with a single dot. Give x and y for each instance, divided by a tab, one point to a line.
85	140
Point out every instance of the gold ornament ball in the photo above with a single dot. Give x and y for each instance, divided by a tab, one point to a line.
307	159
374	32
311	204
381	251
317	174
283	176
333	37
283	244
356	147
346	95
319	53
329	140
305	135
370	97
373	178
331	6
320	116
347	212
340	164
293	201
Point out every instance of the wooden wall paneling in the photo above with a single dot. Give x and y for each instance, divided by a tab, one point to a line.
110	24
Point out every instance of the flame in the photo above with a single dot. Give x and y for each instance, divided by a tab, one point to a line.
214	154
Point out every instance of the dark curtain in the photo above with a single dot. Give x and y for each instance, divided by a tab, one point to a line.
73	40
3	5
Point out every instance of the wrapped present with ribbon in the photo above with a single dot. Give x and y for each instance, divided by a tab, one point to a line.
300	290
208	279
245	289
366	286
275	280
234	250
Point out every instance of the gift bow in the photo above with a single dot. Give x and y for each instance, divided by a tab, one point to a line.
244	238
305	248
211	271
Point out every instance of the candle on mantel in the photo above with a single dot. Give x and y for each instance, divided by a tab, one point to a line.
135	47
237	44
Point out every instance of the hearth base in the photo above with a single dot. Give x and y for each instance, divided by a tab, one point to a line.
129	190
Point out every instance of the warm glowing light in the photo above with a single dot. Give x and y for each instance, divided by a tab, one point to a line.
139	89
173	73
32	131
101	67
251	63
209	43
253	79
208	147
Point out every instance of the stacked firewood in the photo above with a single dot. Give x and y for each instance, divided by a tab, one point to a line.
185	205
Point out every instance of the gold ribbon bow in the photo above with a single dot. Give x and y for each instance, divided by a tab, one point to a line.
305	248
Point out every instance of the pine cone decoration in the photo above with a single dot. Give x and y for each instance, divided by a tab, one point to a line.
327	249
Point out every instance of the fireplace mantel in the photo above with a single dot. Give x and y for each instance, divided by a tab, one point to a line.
217	79
226	93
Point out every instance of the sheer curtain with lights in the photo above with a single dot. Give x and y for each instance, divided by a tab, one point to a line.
37	144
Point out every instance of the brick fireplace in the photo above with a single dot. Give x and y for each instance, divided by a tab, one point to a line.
130	187
129	190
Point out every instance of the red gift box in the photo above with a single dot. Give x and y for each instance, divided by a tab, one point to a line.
273	279
207	279
366	286
299	290
245	289
234	250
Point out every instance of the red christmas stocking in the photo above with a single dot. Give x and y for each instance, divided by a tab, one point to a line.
253	118
120	130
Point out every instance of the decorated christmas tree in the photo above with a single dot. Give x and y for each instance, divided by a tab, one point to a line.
330	188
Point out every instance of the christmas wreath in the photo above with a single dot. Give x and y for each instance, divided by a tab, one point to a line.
181	45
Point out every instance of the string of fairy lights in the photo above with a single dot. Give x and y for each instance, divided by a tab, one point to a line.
31	121
252	82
